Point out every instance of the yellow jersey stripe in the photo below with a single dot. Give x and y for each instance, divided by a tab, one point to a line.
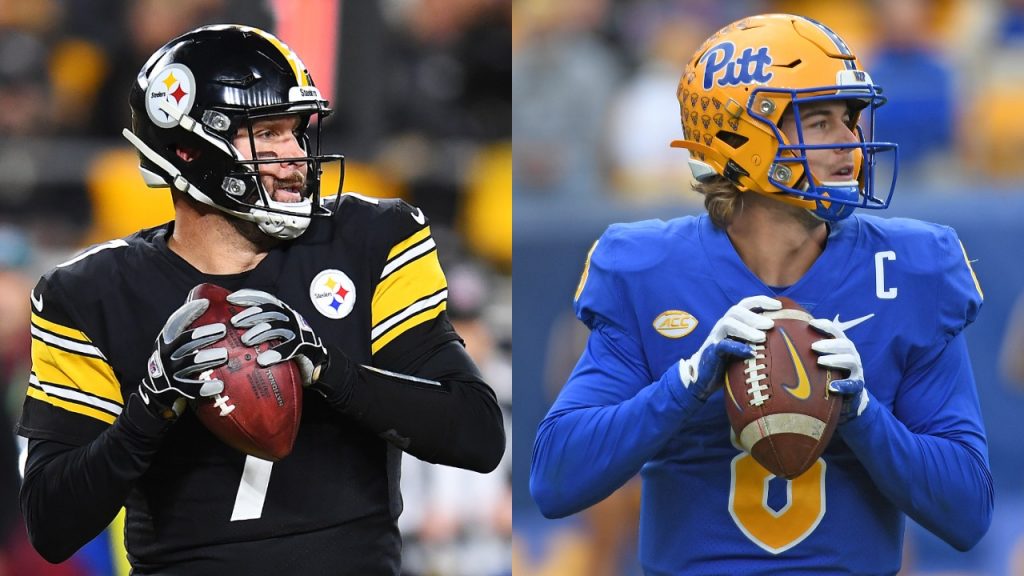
65	343
70	406
93	376
74	395
977	284
58	329
408	242
400	329
409	255
413	309
405	286
586	272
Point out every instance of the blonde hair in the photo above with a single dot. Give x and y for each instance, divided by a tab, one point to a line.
721	199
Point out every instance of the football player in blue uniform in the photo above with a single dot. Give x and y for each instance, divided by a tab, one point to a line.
775	110
228	118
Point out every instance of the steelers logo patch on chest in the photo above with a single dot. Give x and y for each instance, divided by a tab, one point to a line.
333	293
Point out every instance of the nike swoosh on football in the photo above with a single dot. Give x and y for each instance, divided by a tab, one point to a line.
419	217
37	301
802	390
844	326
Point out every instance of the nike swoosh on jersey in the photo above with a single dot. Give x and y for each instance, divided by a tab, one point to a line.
802	390
844	326
37	301
419	217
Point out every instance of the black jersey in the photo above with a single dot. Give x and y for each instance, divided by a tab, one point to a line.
367	280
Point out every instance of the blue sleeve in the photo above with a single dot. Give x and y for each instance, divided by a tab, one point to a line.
610	418
933	465
960	297
929	456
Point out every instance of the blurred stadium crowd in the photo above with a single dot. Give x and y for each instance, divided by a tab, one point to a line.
422	98
594	89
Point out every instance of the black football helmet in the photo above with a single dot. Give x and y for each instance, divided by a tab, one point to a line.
196	92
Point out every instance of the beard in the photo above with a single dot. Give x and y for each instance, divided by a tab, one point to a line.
250	231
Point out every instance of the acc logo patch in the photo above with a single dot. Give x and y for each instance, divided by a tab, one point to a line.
674	323
333	294
172	88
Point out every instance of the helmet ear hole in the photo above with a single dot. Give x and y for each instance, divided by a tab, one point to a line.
733	139
187	154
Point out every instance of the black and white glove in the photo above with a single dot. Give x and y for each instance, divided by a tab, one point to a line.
180	357
268	318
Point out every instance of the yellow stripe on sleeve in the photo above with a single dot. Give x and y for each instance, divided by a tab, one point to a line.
406	285
405	244
70	406
58	329
91	375
400	329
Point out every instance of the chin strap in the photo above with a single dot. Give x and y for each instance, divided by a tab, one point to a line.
284	226
832	211
178	181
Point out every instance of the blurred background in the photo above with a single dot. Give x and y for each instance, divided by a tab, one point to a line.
422	96
594	89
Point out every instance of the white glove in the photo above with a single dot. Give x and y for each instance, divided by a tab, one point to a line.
839	352
730	338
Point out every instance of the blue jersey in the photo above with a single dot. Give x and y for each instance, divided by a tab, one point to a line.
902	289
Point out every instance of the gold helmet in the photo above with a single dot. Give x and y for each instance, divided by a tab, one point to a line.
735	90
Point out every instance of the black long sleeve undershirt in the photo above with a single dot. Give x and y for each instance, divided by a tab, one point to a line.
454	420
86	486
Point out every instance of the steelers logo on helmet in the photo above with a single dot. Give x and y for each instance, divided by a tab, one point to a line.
333	293
195	89
170	95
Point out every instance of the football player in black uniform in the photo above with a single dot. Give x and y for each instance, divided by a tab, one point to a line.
228	118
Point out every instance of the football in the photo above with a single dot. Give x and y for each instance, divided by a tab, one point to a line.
260	408
778	402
